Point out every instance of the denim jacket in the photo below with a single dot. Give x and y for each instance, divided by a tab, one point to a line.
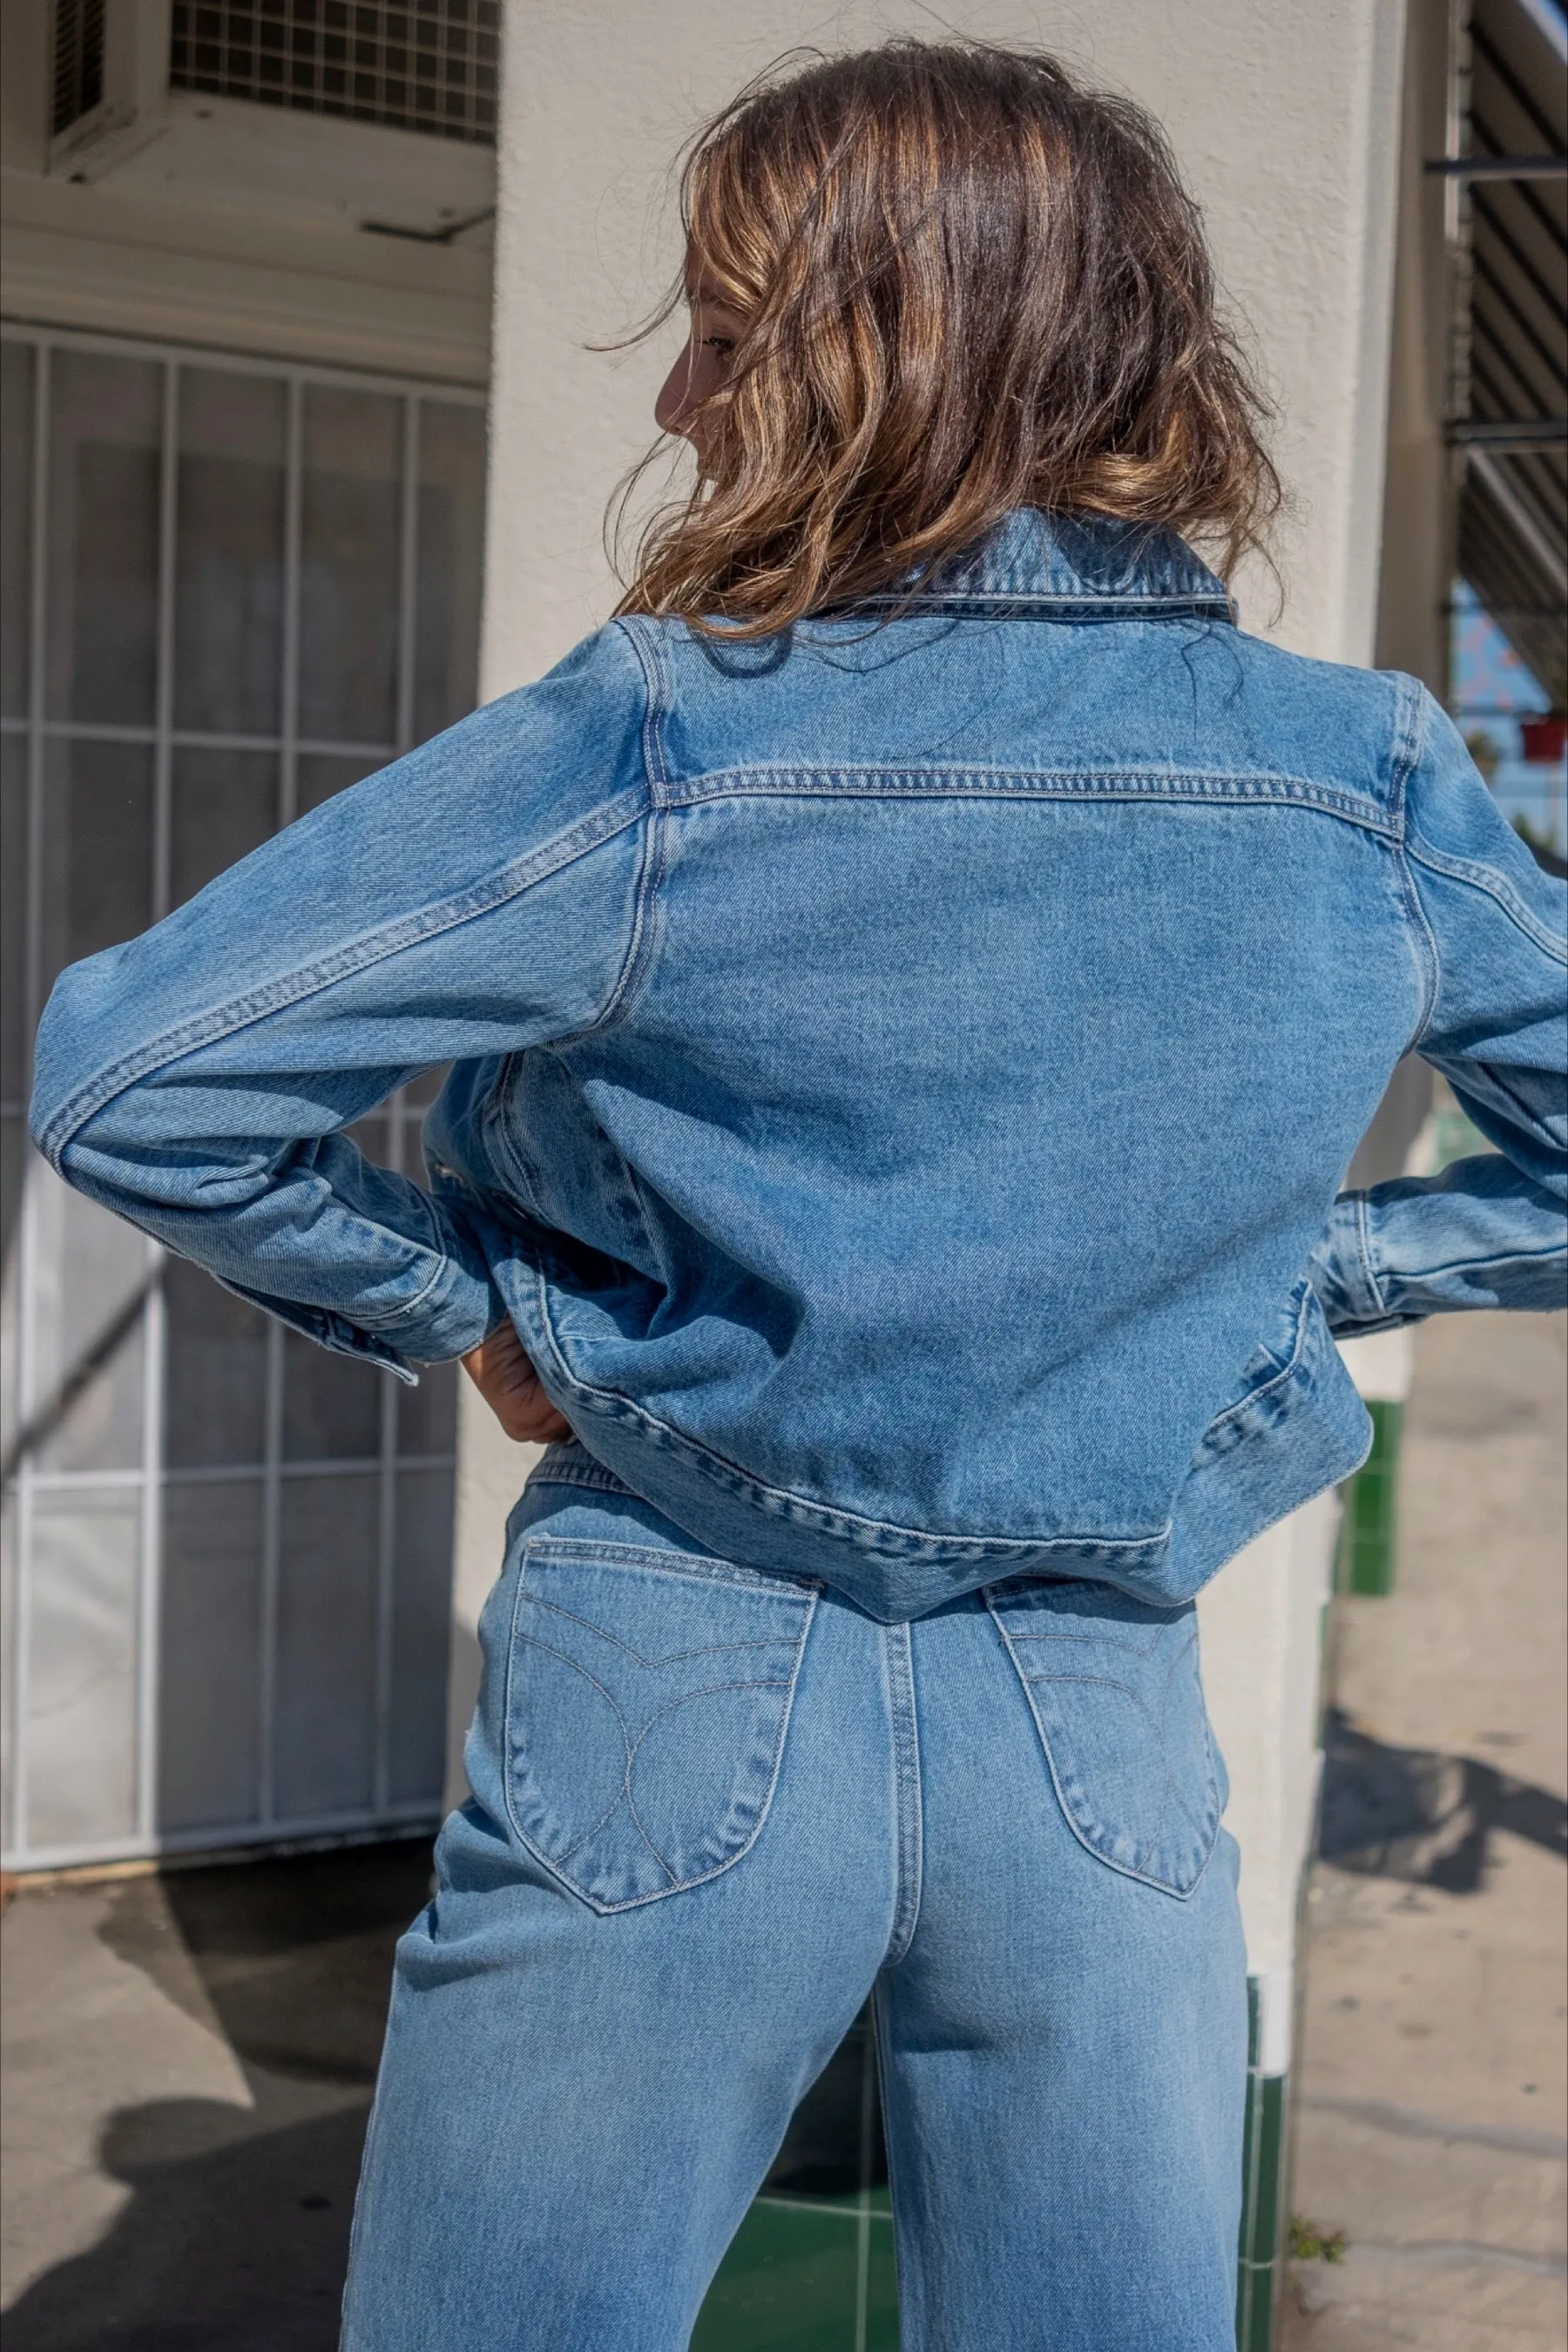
902	1071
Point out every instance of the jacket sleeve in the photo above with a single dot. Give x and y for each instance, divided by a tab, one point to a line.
472	899
1491	932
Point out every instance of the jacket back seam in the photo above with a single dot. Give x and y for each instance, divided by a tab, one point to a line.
868	1531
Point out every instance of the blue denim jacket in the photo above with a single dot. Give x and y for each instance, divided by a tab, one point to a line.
903	1074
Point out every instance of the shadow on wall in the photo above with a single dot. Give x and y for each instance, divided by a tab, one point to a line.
1411	1814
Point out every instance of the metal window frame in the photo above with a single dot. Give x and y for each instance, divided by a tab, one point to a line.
151	1475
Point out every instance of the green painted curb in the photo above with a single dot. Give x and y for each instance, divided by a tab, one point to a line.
1262	2193
1370	1526
815	2273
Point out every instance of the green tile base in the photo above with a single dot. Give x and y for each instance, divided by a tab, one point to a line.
1367	1532
802	2277
1262	2196
815	2273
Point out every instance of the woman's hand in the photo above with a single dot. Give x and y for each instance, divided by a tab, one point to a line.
500	1370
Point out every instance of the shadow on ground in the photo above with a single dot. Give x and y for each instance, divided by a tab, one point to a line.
1415	1814
235	2235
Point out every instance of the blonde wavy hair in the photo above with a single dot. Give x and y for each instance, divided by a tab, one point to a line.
969	284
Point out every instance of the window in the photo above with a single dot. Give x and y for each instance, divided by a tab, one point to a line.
230	589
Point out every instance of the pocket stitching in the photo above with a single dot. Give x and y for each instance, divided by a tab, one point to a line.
1107	1641
583	1548
671	1657
593	1684
1127	1870
674	1563
1137	1868
637	1824
686	1698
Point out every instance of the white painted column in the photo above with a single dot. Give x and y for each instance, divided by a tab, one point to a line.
1287	123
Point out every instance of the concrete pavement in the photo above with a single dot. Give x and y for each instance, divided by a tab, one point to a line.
188	2070
1432	2088
189	2060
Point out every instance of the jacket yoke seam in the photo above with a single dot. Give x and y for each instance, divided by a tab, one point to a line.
226	1020
843	781
1012	603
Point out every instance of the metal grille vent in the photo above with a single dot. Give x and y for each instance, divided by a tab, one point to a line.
78	62
429	67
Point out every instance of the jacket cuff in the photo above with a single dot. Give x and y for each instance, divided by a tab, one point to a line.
458	1310
1341	1272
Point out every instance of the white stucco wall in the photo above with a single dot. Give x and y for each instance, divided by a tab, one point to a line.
1286	124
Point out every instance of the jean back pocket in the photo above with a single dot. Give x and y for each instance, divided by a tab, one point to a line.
648	1693
1114	1688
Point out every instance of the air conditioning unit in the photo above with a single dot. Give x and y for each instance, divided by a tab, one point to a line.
380	118
110	79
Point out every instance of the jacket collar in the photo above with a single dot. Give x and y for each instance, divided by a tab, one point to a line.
1071	566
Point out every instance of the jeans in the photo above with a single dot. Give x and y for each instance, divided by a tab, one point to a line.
712	1812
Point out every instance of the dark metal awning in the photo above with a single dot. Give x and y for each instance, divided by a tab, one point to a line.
1513	503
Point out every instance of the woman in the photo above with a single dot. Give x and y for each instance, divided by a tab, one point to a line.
914	980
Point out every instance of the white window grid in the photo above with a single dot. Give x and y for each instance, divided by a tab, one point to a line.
25	1482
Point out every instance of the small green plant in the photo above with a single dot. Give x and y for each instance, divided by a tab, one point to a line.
1485	752
1307	2244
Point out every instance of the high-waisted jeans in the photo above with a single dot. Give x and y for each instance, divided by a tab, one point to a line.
712	1812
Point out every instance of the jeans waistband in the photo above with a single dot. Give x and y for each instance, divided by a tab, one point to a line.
568	1463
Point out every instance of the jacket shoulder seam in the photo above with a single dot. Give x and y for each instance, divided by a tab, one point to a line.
477	899
1493	885
652	661
1409	740
649	648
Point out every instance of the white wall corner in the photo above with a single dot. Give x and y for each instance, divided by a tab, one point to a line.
1276	2019
1382	1364
491	1474
1375	158
1260	1620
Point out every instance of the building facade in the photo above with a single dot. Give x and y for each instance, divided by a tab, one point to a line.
247	297
253	551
